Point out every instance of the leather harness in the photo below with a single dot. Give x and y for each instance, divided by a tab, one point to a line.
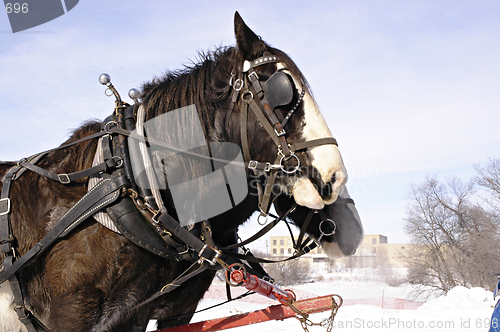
131	205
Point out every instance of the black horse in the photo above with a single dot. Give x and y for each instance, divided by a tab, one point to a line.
93	278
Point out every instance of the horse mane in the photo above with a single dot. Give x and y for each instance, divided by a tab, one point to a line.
204	83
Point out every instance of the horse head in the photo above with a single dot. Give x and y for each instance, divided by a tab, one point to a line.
318	176
254	97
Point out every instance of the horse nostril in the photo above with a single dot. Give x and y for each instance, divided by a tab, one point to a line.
327	190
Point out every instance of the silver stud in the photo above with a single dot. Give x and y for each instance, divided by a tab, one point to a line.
134	94
104	79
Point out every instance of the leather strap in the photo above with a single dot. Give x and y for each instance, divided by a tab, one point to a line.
303	229
265	202
262	231
23	314
204	251
6	237
263	60
192	271
104	193
249	258
244	132
277	132
6	240
313	143
263	121
68	178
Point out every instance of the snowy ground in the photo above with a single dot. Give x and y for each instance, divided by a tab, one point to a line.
461	309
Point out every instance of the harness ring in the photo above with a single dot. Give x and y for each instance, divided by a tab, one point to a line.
118	161
332	232
248	94
265	221
108	92
295	169
108	125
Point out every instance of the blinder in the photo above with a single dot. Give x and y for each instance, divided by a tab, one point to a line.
278	89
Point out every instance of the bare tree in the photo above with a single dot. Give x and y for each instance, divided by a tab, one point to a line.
290	272
489	179
456	239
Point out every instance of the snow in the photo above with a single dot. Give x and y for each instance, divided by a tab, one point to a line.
368	306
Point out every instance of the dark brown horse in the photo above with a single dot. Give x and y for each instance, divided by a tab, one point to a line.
92	279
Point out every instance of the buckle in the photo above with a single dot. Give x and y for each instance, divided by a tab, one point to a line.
185	251
5	206
203	259
63	178
253	73
252	164
22	312
306	249
280	133
156	217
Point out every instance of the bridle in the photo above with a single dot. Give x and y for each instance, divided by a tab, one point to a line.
262	98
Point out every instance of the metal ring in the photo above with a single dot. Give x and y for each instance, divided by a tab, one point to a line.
262	215
341	301
334	227
238	84
106	92
118	161
291	293
248	93
106	128
295	169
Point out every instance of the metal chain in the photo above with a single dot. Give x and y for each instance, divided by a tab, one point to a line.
305	322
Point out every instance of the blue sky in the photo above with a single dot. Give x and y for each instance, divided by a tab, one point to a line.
409	88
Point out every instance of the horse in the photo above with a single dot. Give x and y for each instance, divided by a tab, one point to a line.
95	279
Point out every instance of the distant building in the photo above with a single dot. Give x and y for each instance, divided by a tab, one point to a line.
374	251
283	246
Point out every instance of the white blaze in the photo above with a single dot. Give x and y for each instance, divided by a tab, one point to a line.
326	158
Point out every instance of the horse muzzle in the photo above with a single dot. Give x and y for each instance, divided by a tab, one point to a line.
312	196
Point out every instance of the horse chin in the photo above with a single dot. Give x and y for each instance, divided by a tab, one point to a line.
332	249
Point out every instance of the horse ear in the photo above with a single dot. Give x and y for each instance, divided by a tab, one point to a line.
249	44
